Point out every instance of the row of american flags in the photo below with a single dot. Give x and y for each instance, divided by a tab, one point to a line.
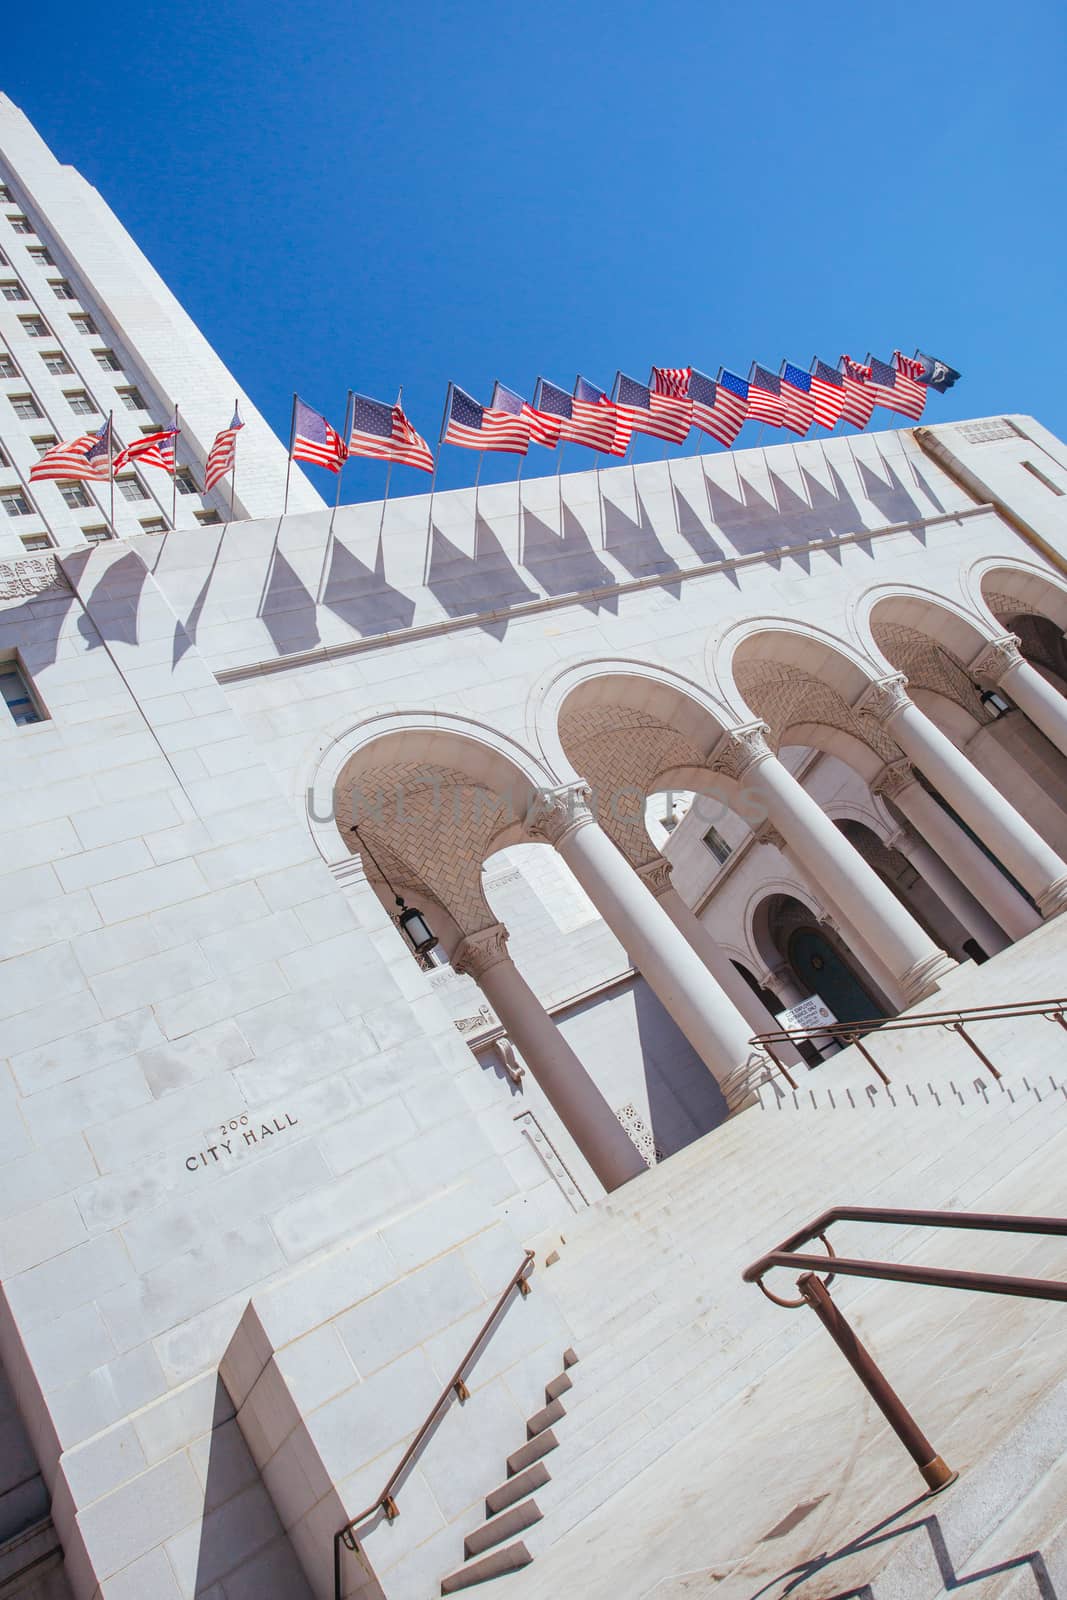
674	401
99	456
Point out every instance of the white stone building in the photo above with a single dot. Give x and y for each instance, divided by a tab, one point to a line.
264	1174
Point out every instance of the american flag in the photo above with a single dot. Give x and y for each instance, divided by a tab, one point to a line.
223	453
671	380
718	408
859	396
664	416
586	417
315	440
894	392
827	393
478	427
384	433
911	382
87	456
151	450
765	396
797	397
544	429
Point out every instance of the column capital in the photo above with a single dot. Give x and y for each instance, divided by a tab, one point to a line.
553	813
1053	902
995	660
894	778
883	698
479	951
740	749
656	875
768	834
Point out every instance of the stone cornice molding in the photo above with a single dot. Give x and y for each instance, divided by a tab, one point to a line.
475	954
995	660
884	699
893	780
741	749
32	576
555	813
656	875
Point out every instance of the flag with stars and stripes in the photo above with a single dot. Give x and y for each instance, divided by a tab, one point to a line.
859	396
827	393
719	408
671	380
151	450
894	392
796	397
223	453
88	456
315	440
663	416
765	396
543	428
476	427
384	433
911	380
586	417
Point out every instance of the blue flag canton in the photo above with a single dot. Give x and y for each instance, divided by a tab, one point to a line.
372	416
505	399
762	379
731	382
827	374
557	402
102	446
702	389
467	412
235	420
310	424
799	380
882	373
631	393
583	390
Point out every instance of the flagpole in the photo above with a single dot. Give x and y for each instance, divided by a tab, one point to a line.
233	469
289	465
433	483
328	548
111	466
174	474
389	468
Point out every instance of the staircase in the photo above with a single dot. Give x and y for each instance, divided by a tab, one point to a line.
510	1508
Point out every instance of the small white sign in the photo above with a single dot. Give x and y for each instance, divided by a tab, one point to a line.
812	1012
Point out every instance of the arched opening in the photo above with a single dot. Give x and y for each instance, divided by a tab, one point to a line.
826	971
905	880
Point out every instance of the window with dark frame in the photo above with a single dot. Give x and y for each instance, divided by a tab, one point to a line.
17	695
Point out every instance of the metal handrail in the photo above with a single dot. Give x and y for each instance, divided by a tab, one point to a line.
847	1033
455	1388
814	1292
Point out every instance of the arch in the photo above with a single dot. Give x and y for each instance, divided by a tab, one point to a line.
757	916
841	664
996	585
888	611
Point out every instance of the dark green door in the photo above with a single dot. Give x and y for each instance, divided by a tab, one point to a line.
822	971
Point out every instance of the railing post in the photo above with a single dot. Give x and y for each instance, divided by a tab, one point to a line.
936	1474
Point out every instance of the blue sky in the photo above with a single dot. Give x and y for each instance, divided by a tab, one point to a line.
354	196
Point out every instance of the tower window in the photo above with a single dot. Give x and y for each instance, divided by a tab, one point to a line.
83	322
132	488
35	328
207	519
74	494
42	442
25	406
97	534
108	360
18	696
15	502
184	481
12	290
131	399
80	403
8	368
153	524
57	363
20	224
40	256
717	845
36	541
61	289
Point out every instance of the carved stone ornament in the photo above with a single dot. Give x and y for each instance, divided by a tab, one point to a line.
893	780
739	749
483	1018
554	812
23	580
882	700
480	951
656	875
996	660
768	834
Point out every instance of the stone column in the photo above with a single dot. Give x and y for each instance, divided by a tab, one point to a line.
989	898
674	972
1003	665
1042	873
972	917
828	860
574	1096
657	877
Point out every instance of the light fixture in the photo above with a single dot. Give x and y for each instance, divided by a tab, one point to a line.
412	923
995	702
